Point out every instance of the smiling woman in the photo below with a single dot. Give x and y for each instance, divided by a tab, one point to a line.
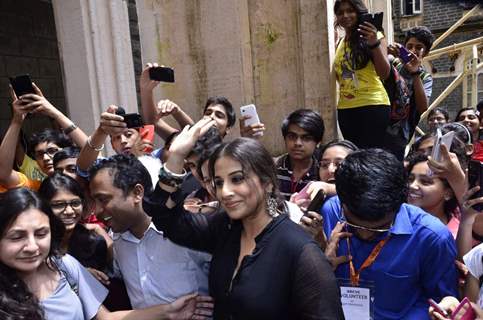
247	236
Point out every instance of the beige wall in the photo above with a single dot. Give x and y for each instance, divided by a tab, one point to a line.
274	53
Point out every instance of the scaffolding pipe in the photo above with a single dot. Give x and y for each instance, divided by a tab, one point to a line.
454	47
455	26
474	78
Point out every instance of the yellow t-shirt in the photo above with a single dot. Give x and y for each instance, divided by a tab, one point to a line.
31	169
24	182
357	88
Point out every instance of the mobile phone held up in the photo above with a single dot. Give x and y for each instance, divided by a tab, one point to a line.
251	111
404	54
446	139
475	174
22	84
163	74
133	120
373	18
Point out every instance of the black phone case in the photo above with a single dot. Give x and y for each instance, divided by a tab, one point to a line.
317	202
133	120
22	85
475	173
163	74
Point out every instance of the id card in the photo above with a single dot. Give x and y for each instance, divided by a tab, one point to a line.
357	302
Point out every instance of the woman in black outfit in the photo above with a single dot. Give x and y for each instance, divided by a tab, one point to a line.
264	266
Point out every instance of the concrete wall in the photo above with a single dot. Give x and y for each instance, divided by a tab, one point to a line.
274	53
28	44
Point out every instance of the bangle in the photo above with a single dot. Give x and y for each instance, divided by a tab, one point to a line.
89	143
170	178
375	45
69	129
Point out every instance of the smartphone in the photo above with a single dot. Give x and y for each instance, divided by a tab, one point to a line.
147	133
164	74
437	308
133	120
374	18
475	172
317	202
468	314
22	85
405	55
251	110
302	194
440	139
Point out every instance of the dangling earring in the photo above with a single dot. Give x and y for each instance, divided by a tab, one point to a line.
272	205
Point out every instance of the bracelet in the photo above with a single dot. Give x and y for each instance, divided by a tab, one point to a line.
375	45
69	129
89	143
170	178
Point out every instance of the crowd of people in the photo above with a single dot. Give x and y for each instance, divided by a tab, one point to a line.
207	227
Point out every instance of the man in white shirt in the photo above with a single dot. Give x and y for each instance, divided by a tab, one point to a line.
154	269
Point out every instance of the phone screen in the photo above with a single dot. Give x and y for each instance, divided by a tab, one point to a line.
164	74
22	85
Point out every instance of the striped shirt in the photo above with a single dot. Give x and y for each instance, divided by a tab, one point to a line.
286	182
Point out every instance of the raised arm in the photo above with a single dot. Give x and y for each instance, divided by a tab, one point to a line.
8	177
41	105
378	49
197	231
151	113
420	96
110	124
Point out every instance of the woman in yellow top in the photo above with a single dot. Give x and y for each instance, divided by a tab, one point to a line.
360	64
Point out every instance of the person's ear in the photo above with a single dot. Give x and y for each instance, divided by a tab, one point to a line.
448	194
138	193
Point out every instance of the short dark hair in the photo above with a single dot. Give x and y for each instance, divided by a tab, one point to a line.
422	34
126	172
230	112
372	183
66	153
439	110
306	119
49	135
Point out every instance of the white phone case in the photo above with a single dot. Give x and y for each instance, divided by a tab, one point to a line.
251	110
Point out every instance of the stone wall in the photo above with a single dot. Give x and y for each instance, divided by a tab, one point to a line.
273	53
28	44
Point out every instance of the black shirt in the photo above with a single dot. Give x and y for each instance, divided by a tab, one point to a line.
286	277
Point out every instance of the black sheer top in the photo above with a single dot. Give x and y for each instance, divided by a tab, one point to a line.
286	277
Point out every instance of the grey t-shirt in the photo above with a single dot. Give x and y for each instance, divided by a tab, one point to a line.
64	303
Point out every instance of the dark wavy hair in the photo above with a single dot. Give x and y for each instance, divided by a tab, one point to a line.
360	53
253	158
48	135
449	205
16	300
223	101
307	119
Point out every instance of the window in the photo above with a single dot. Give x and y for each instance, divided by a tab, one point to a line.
411	7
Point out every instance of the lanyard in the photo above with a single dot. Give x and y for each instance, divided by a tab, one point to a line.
355	275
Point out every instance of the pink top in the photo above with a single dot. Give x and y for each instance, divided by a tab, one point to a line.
453	225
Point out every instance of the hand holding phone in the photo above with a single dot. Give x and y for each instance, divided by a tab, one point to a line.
437	308
133	120
22	84
251	111
163	74
405	55
440	139
317	202
475	174
373	18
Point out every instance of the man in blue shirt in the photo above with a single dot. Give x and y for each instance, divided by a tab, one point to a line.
398	254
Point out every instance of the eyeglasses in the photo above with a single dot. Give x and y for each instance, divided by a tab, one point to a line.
343	219
325	164
75	204
39	154
304	138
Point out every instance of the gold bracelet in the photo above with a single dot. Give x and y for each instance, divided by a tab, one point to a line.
89	143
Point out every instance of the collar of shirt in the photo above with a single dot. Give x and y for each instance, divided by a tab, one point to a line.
128	236
284	164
